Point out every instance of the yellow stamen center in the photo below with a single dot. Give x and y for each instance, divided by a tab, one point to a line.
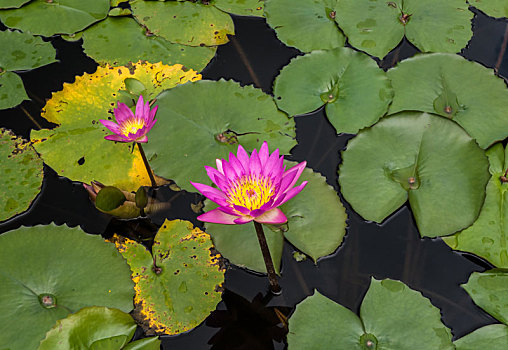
131	126
251	192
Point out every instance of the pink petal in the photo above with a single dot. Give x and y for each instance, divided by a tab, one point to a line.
140	107
219	165
274	216
211	193
293	173
118	138
143	139
122	113
216	177
243	219
243	157
152	112
272	165
218	217
241	209
112	126
237	165
264	152
293	192
257	212
255	163
229	171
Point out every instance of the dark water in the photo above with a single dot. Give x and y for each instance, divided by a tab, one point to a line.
245	319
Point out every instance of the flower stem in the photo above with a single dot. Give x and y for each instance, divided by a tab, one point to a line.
272	277
147	166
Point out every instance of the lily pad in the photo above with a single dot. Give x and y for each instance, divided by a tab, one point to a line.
55	17
392	316
76	147
12	90
489	291
241	8
488	236
354	90
178	285
7	4
189	136
492	337
47	272
493	8
316	226
185	23
376	27
422	83
306	25
96	328
401	158
21	51
100	42
20	175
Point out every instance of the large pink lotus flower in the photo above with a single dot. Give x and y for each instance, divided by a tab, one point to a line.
131	127
250	188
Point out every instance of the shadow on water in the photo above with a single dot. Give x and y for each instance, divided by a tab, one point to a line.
245	319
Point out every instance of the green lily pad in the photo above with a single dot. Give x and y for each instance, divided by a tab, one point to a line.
20	175
185	23
94	328
189	136
487	237
47	272
76	148
306	25
12	90
7	4
55	17
492	337
316	227
489	291
376	27
401	158
392	316
22	51
183	287
354	90
493	8
242	8
100	42
422	83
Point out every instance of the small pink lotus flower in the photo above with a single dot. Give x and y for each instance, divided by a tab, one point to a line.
131	127
250	188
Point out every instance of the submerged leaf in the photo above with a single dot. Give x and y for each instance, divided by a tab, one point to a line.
306	25
401	158
477	99
64	271
223	115
376	27
178	285
488	236
185	23
76	147
392	316
20	174
355	92
100	42
55	17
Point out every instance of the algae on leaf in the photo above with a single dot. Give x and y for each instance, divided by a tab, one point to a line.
76	147
64	271
401	158
455	88
179	284
354	91
488	236
377	27
21	174
392	316
306	25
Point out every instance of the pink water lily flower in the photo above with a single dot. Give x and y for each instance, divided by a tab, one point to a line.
131	127
250	188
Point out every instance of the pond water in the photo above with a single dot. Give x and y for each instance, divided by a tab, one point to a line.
392	249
